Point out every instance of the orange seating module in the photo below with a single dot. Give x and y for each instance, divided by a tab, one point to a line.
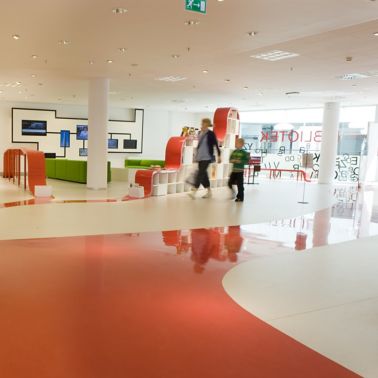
34	167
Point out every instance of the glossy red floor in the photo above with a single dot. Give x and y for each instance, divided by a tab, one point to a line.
148	305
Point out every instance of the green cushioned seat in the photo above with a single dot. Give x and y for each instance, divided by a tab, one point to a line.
51	168
109	172
70	170
61	169
143	164
132	162
76	171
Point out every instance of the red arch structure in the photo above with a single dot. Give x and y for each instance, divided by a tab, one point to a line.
34	169
220	121
173	152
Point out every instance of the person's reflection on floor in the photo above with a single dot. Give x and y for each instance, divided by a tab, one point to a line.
177	240
233	242
201	249
209	244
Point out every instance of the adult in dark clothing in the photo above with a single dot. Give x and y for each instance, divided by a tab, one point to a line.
207	143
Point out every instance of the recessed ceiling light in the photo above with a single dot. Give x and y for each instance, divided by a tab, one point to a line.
33	75
109	61
252	33
175	56
171	79
119	10
376	34
64	42
227	80
352	76
275	55
191	22
1	92
16	37
91	62
205	71
34	56
122	49
18	83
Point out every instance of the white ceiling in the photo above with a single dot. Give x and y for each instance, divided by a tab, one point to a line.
323	32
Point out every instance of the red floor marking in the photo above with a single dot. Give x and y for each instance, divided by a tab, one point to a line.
131	306
43	201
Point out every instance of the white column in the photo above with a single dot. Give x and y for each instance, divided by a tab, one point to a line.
328	150
97	133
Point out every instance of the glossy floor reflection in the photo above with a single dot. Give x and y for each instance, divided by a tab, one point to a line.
152	304
78	214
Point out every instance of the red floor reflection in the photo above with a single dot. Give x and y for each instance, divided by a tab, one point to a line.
148	305
45	201
152	305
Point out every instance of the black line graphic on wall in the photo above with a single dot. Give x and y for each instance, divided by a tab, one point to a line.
118	142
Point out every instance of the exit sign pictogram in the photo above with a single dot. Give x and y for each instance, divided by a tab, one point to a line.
198	6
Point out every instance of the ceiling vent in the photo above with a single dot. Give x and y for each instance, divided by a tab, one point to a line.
274	55
171	79
352	76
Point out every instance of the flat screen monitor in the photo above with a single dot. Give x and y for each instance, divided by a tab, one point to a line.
130	144
83	151
113	144
34	127
82	132
65	138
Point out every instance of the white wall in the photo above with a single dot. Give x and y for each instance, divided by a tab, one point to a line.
159	126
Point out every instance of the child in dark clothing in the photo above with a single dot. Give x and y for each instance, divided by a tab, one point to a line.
239	158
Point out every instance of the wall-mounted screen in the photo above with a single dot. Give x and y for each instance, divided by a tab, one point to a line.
34	127
83	151
113	144
65	138
82	132
130	144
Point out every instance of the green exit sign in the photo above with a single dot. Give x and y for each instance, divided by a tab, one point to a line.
198	6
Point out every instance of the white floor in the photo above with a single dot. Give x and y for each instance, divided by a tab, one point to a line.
265	202
326	298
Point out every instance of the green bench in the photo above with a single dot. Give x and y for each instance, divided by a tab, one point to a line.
69	170
143	164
